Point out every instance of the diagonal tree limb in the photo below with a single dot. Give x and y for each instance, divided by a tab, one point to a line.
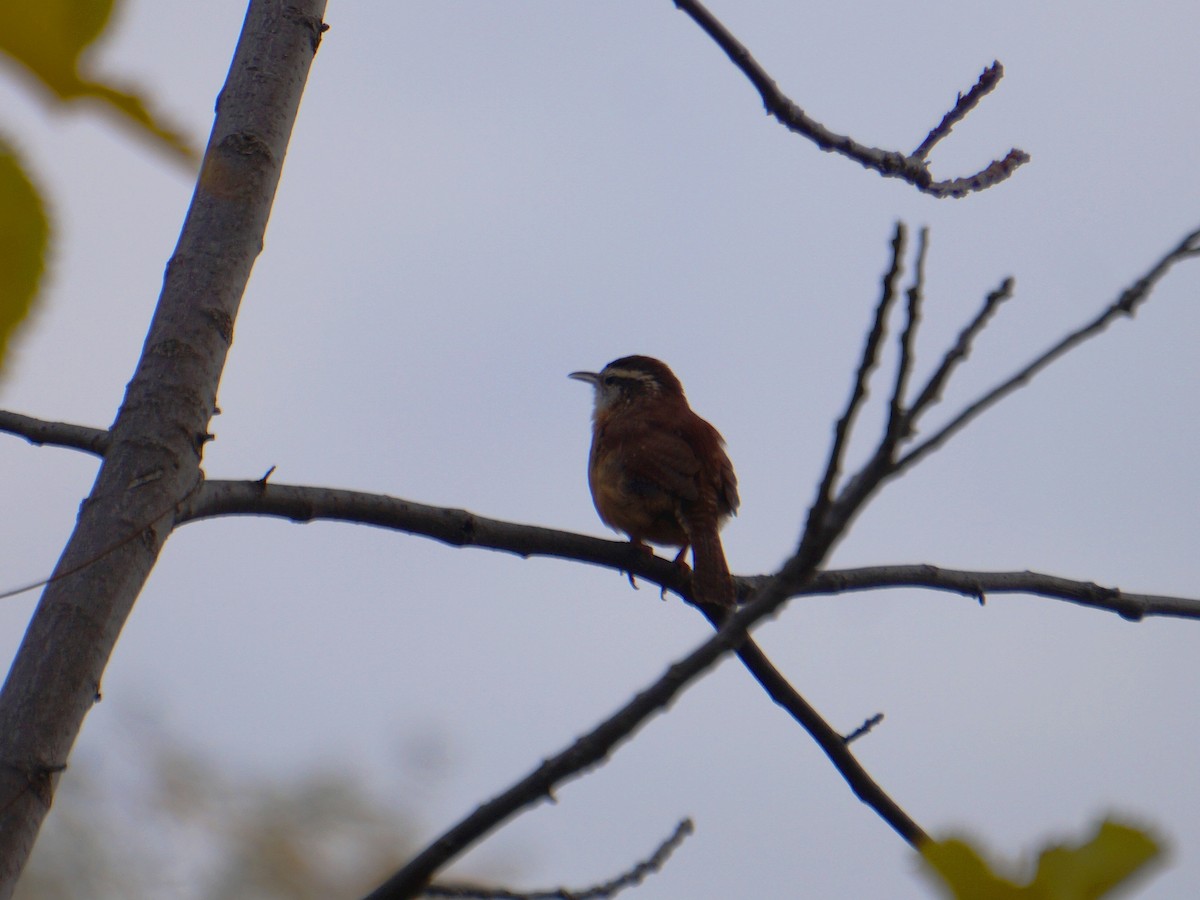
912	168
825	524
594	748
153	454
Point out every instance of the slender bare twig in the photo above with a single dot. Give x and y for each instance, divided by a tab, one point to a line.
631	878
912	168
980	585
832	743
594	747
864	729
55	434
1125	305
988	79
932	392
858	394
898	424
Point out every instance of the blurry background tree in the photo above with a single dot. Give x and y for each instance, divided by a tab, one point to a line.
149	818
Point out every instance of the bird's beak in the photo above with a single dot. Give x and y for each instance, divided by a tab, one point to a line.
591	378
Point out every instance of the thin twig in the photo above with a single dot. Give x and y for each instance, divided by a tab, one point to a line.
870	358
978	585
890	163
631	878
1125	305
56	434
932	392
864	729
898	422
988	79
586	752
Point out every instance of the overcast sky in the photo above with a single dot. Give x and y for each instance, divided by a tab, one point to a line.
482	197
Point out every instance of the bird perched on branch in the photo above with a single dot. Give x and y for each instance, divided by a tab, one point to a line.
658	472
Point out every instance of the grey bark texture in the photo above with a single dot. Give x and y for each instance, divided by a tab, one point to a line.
153	455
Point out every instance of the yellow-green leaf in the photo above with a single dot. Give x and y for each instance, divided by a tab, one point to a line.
1088	871
1096	867
47	38
24	233
966	873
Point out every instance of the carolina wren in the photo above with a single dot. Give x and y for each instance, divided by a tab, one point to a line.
658	472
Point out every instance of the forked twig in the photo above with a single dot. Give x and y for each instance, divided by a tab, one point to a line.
913	168
1125	305
819	512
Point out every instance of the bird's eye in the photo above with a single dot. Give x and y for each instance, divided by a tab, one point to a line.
610	380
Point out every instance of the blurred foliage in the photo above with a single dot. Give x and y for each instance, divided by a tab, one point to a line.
156	820
24	235
1093	869
45	41
48	38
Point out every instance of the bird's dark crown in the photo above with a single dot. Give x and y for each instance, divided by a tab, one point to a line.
641	373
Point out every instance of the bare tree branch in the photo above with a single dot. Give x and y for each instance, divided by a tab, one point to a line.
979	585
864	729
828	518
898	422
153	452
931	394
988	80
594	747
55	434
858	395
913	168
632	878
465	529
1125	305
461	528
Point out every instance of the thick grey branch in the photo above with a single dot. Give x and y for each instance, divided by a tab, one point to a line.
153	454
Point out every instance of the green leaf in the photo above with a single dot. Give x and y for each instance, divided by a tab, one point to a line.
1085	872
24	235
1093	869
47	37
966	873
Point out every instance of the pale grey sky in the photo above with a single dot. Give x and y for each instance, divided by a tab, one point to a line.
482	197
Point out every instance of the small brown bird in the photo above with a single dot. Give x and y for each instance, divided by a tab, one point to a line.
658	472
